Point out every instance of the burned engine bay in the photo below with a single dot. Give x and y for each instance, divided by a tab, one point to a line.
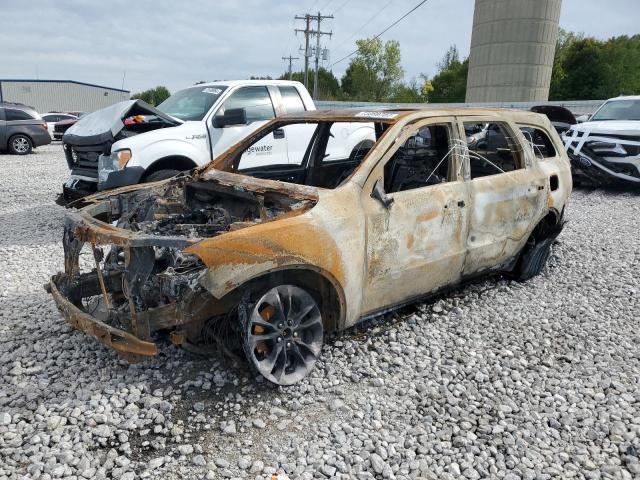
140	279
202	209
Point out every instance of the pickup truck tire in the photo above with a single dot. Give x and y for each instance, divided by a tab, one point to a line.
161	175
20	145
282	332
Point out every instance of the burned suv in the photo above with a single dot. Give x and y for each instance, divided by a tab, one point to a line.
301	245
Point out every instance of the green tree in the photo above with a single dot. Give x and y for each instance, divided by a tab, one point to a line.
328	84
450	83
408	93
153	96
375	73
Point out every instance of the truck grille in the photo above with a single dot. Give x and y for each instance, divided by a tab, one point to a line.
83	160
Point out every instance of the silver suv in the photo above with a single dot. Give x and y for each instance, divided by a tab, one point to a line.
21	129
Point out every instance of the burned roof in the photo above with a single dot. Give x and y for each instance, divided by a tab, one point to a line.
394	114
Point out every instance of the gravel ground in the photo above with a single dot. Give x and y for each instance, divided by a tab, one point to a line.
497	380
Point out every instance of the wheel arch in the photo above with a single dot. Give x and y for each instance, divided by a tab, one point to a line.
24	134
172	162
322	285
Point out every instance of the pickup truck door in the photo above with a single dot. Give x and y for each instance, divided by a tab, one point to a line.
508	196
259	108
417	243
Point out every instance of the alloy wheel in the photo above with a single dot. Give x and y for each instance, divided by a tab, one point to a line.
284	334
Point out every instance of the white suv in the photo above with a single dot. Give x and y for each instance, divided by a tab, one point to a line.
132	142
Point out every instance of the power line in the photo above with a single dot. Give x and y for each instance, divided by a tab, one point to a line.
326	5
365	24
340	7
385	30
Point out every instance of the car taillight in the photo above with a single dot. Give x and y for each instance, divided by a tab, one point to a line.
44	125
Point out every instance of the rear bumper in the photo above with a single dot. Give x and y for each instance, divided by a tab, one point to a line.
121	341
41	137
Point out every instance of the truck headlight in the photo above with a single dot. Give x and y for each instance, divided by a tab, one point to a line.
111	163
123	157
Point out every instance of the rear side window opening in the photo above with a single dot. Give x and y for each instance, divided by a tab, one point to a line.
540	142
492	151
291	99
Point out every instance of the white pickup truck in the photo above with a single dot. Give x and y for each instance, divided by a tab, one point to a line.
132	142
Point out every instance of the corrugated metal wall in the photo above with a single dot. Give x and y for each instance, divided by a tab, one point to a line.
60	96
577	107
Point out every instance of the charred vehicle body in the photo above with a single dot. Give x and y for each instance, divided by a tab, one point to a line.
282	253
605	150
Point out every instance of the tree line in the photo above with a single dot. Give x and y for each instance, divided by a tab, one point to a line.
584	68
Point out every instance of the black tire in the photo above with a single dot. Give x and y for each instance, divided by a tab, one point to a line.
533	260
282	333
20	145
536	252
161	175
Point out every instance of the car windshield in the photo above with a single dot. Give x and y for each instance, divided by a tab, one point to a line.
619	110
191	103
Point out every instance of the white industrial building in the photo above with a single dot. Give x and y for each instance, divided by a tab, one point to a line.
60	95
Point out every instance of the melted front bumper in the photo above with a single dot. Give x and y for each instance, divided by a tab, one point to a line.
121	341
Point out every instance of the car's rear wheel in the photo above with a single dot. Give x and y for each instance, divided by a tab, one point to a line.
161	175
282	333
20	145
536	252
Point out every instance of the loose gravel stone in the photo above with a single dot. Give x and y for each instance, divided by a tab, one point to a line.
498	379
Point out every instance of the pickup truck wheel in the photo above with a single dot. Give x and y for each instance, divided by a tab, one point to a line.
20	145
282	333
161	175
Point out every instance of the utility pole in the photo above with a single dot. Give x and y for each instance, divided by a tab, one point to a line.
319	33
290	59
307	32
307	53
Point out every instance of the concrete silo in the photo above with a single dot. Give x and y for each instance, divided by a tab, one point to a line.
512	48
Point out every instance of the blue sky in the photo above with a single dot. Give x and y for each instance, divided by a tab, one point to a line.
174	43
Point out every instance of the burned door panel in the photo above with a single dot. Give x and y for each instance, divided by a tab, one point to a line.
508	195
417	243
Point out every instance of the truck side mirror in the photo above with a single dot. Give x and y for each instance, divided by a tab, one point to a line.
232	116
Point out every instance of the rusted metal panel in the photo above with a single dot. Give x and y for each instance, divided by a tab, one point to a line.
119	340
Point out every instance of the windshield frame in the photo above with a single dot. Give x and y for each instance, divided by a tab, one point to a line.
630	101
184	93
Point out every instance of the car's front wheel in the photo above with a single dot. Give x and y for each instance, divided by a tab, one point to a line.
20	145
282	333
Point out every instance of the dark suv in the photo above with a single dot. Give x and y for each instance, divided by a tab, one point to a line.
21	129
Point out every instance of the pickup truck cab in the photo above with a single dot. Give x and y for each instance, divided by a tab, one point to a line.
132	142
